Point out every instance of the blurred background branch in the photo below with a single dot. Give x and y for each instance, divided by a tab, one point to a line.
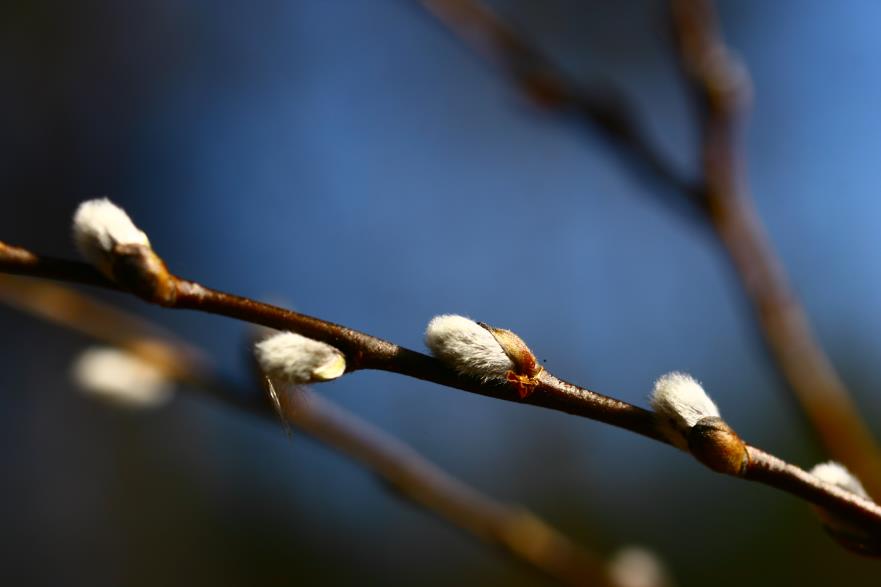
513	529
721	86
603	108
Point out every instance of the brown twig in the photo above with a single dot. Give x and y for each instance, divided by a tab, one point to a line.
604	108
517	531
721	87
362	351
153	283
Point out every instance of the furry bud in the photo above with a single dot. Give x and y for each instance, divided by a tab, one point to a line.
847	533
122	378
634	566
467	347
680	402
837	474
98	227
295	359
107	238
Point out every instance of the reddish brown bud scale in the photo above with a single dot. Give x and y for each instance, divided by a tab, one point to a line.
526	368
524	361
140	270
714	443
525	384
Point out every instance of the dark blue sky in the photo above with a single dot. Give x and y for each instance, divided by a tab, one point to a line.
354	160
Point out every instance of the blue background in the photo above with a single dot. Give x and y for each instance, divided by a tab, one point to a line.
356	161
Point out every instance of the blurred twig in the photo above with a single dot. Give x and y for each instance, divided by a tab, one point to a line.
106	322
720	84
515	530
603	107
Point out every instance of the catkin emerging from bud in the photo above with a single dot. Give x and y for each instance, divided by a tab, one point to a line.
837	474
680	402
98	227
467	347
846	532
291	358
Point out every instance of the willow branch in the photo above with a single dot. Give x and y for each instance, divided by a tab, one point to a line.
517	531
362	351
720	85
156	285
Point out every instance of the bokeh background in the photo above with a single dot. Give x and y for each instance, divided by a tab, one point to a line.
355	160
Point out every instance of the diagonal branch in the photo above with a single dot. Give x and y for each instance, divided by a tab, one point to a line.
523	535
720	85
722	196
362	351
517	531
603	108
367	352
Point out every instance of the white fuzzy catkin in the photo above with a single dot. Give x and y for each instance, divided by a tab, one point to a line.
291	358
467	347
837	474
121	377
98	226
680	402
848	533
635	566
